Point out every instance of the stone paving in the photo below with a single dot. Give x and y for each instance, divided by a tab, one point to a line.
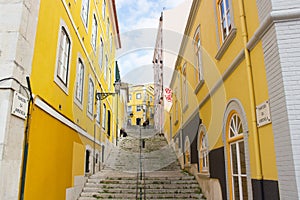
157	154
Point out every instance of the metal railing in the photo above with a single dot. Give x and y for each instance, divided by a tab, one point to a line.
140	179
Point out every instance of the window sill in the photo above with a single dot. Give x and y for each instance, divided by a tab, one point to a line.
61	85
199	86
226	44
78	104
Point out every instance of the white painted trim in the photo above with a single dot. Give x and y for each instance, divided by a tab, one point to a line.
65	88
235	104
76	101
42	105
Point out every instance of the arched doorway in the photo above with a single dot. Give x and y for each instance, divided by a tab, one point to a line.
87	161
187	152
235	137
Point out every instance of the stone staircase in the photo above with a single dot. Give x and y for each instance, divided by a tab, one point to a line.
119	179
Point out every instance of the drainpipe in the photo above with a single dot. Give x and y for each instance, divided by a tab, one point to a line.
257	152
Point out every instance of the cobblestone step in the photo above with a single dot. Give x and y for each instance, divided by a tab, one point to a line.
163	178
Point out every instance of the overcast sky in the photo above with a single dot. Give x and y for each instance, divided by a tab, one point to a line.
138	23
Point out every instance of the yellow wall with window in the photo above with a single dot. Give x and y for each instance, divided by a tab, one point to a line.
56	151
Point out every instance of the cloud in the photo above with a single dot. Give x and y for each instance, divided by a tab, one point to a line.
138	21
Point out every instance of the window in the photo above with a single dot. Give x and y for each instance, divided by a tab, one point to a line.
103	9
198	51
94	33
237	168
110	41
79	81
225	21
98	112
85	12
107	28
63	59
138	96
130	97
151	99
105	67
203	152
101	52
184	86
138	108
90	107
129	108
104	116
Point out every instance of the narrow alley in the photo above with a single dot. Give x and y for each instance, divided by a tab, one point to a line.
153	173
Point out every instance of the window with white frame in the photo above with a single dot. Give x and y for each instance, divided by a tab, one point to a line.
79	81
138	96
103	9
98	112
85	11
237	168
101	52
129	109
104	116
184	86
94	32
198	51
63	59
90	106
130	97
203	151
107	28
225	18
138	108
105	67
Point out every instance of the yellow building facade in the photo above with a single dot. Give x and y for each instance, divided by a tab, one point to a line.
73	118
221	121
141	104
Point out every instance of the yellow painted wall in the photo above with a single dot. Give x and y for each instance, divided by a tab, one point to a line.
56	154
236	86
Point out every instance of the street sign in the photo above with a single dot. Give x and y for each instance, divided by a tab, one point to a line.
19	106
263	114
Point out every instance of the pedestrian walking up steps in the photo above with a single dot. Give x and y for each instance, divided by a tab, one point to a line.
166	183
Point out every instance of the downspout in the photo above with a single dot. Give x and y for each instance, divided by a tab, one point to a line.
257	151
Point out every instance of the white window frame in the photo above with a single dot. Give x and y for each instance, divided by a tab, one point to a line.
62	77
138	96
129	109
91	92
203	153
138	108
79	87
107	28
130	97
184	86
198	52
224	5
94	32
104	116
98	112
105	67
101	52
103	9
235	129
85	12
